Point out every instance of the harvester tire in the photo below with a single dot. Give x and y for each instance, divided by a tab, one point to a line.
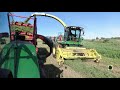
97	61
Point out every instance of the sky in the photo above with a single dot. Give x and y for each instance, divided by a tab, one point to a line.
95	24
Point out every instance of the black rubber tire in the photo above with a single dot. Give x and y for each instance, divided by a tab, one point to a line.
5	73
48	42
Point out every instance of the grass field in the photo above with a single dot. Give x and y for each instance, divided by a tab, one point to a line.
110	52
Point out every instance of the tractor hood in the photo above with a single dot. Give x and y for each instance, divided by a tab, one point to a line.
20	57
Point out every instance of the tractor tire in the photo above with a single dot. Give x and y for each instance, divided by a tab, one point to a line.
5	73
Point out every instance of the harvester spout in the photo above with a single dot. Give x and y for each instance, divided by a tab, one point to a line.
47	15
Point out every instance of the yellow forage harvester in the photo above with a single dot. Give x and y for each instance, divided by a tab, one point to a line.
69	46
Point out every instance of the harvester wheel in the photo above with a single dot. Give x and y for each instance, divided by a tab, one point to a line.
60	63
97	61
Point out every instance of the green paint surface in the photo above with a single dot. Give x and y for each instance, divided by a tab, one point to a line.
26	63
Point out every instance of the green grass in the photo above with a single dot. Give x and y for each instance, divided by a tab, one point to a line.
109	49
110	52
89	71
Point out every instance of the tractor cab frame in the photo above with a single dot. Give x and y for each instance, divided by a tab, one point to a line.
73	33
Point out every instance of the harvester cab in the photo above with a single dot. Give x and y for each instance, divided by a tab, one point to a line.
73	36
73	31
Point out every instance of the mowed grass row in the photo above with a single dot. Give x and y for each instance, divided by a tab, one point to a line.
110	52
109	49
91	71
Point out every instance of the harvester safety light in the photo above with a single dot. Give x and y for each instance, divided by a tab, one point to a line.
73	27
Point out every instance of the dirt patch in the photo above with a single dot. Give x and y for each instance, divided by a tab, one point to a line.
52	69
64	71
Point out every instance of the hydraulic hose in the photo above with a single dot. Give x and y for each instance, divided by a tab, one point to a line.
48	42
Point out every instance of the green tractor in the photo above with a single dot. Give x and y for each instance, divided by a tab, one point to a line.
20	58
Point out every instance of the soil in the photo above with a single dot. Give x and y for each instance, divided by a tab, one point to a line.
61	72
